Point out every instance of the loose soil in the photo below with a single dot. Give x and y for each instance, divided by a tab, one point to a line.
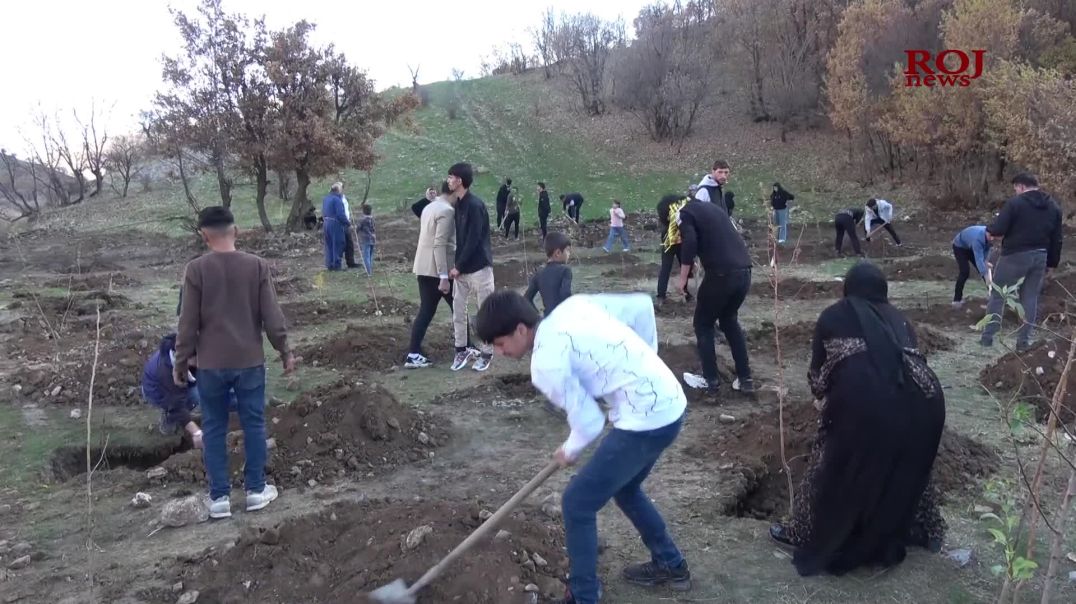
754	448
51	316
795	339
307	313
928	268
340	431
1057	294
932	341
69	461
945	316
685	358
798	289
347	550
389	306
65	378
513	273
291	286
501	389
94	282
370	347
1017	375
634	271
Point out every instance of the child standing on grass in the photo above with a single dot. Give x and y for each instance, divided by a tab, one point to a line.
616	228
554	280
367	238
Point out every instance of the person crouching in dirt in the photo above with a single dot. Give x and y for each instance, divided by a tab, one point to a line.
310	219
970	246
844	222
879	214
580	354
176	402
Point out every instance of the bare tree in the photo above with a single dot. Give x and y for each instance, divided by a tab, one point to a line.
15	176
585	42
94	142
73	158
663	78
124	162
457	75
283	180
544	37
46	160
165	139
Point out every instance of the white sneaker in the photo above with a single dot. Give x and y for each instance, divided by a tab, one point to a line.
221	507
482	363
695	381
257	501
416	361
958	304
462	359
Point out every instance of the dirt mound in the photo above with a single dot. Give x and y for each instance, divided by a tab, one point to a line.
306	313
500	390
798	289
1057	294
89	265
332	432
513	273
65	381
634	271
683	358
795	339
273	245
675	306
1032	377
927	268
370	347
348	550
945	316
754	449
932	341
77	312
347	429
291	286
388	305
94	281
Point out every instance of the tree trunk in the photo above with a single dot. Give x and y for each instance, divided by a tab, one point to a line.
261	177
222	181
191	200
81	187
299	202
99	177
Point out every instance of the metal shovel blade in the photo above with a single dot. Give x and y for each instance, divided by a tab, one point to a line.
393	593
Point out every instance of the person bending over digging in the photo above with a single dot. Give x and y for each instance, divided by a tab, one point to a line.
581	354
175	401
228	301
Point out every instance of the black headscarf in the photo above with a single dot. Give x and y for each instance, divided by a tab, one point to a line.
866	290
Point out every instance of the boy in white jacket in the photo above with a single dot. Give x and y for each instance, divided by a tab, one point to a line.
581	353
879	214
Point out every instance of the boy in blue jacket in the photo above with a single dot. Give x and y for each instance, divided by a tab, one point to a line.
971	245
175	402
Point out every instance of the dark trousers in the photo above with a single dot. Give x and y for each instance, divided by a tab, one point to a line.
1029	266
616	471
844	224
510	221
573	211
965	259
349	249
543	223
428	297
667	259
888	227
501	207
720	296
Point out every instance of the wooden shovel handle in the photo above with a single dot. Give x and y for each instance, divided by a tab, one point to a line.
486	528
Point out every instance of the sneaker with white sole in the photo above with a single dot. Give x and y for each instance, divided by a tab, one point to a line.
221	507
482	363
416	361
257	501
463	358
746	386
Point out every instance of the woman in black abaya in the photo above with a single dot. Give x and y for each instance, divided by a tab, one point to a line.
867	494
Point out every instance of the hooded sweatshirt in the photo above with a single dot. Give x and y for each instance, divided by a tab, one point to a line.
710	190
780	197
160	390
975	240
1030	221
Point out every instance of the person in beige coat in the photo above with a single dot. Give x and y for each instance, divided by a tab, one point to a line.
433	256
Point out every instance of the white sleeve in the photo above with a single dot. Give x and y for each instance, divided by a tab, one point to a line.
702	194
886	211
644	322
585	417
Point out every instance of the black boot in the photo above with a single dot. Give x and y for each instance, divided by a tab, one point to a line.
650	574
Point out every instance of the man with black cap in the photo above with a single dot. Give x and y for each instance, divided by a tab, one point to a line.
228	301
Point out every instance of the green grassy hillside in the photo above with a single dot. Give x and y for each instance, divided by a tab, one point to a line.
498	130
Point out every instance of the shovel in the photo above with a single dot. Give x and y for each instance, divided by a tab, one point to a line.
397	592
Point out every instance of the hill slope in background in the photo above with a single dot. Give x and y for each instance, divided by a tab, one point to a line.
526	127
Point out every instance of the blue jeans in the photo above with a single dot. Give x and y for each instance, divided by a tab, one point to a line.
368	257
614	233
616	471
780	218
215	388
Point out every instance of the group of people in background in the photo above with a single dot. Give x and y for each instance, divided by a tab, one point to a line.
867	494
341	232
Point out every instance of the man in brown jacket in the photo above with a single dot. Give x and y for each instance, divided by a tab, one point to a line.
228	300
